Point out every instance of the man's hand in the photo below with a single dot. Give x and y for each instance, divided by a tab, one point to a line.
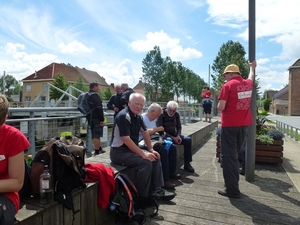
177	140
102	123
116	109
151	156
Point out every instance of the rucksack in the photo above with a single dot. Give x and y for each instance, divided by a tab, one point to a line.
65	159
25	191
126	204
83	104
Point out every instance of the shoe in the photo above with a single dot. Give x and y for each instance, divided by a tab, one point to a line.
168	185
224	192
242	171
188	168
162	194
175	176
97	152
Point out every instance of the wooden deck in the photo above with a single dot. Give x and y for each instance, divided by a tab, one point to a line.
271	199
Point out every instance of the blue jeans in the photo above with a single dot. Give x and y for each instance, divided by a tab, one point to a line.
187	144
168	161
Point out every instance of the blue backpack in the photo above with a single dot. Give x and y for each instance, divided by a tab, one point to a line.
83	104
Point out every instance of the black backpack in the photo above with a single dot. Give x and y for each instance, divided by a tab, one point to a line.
126	204
65	159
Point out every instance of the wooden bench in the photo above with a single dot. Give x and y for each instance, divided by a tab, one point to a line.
32	212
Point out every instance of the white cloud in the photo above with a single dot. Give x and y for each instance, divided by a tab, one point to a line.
74	47
160	39
18	63
165	42
117	74
180	54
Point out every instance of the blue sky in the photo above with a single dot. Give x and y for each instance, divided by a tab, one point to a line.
113	37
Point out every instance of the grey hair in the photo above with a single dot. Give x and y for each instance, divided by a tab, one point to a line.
154	106
172	105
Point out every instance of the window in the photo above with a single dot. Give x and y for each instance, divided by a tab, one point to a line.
28	87
27	98
43	98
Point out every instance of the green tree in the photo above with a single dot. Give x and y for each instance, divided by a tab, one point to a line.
267	103
153	70
81	85
106	94
60	82
229	53
12	86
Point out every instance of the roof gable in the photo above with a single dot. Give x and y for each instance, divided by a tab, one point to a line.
70	73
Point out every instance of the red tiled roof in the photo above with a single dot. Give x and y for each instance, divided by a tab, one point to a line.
70	73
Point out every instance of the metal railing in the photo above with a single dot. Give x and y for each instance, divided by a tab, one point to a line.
288	129
40	124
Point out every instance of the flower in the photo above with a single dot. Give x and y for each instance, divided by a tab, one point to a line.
275	134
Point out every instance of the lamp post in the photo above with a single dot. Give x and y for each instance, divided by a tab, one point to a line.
250	148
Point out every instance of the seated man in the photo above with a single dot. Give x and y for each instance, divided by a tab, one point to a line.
125	151
170	120
168	155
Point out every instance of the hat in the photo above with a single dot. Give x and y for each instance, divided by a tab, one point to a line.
232	68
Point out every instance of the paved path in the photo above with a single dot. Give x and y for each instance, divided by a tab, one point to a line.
272	199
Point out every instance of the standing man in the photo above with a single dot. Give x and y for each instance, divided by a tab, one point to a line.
170	120
234	103
96	117
125	151
126	92
114	101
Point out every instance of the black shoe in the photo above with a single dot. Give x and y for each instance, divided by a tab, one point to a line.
168	185
97	152
242	171
188	168
175	176
224	192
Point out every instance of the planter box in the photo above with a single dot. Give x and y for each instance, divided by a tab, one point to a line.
272	153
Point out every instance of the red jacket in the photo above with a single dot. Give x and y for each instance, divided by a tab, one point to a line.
105	176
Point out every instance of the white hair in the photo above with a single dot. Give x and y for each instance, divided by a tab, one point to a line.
172	105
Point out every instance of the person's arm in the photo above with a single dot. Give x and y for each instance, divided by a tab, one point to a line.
110	103
178	124
16	174
154	130
252	66
221	105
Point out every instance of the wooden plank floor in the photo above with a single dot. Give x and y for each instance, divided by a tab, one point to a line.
271	199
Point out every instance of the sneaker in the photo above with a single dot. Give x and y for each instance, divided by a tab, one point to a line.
162	194
189	168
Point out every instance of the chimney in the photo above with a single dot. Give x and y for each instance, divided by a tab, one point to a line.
35	75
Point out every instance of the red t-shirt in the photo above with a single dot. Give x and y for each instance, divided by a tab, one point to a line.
12	142
237	94
206	94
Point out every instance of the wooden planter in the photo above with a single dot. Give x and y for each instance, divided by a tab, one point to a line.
272	153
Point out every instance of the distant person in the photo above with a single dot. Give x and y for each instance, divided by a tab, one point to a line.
168	152
125	150
13	143
96	117
170	120
234	104
114	102
126	92
207	103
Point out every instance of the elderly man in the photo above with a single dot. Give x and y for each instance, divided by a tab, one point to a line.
170	120
125	150
168	152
